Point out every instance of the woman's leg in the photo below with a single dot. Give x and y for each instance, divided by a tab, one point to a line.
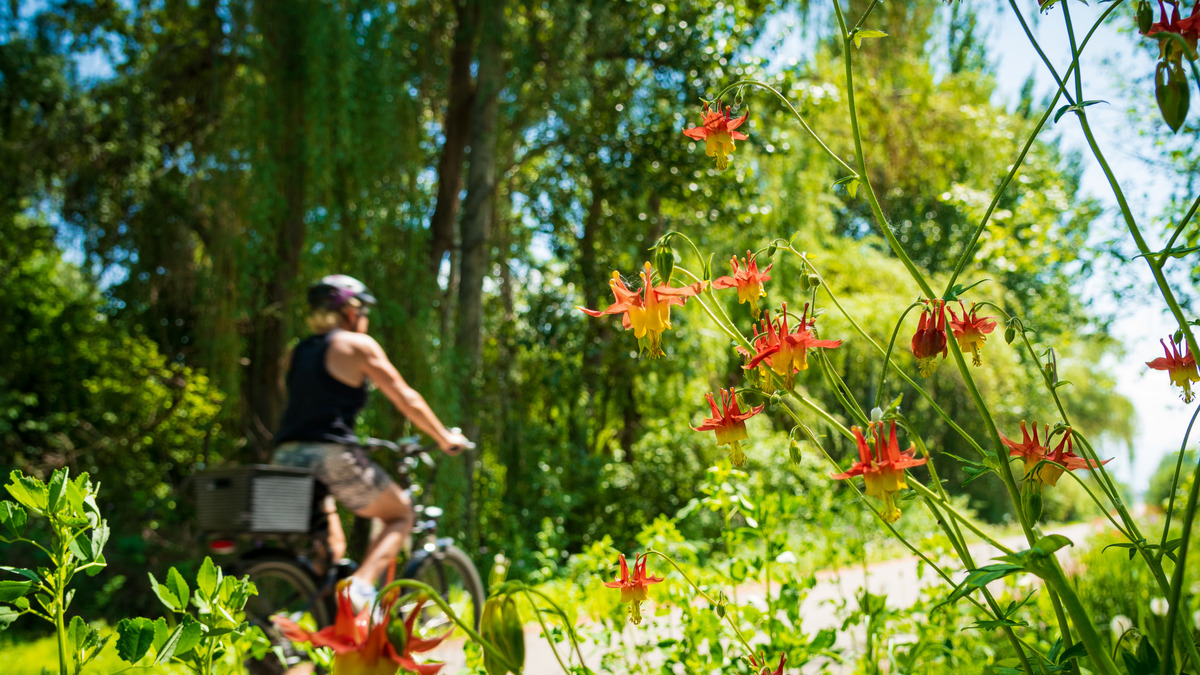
394	508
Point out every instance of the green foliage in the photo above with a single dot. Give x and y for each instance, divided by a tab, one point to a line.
1162	482
83	393
74	543
211	637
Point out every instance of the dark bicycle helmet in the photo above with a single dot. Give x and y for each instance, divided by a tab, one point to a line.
334	291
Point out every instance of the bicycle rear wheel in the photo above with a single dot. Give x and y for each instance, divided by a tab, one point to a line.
286	588
452	573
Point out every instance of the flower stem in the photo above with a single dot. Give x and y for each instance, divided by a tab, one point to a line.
796	113
432	593
728	616
1189	514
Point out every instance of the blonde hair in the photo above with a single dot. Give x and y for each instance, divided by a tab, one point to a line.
322	319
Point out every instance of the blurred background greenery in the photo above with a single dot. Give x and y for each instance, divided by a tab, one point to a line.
174	174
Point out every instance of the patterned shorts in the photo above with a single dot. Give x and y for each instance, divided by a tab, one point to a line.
351	477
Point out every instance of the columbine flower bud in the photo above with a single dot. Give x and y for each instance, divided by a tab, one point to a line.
500	625
1031	500
794	450
1145	17
664	262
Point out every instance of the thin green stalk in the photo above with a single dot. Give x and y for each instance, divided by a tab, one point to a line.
866	13
796	113
966	255
60	626
887	355
1178	230
1105	481
1189	514
546	632
993	608
432	594
562	615
840	390
950	528
1054	576
728	615
899	371
876	210
1175	483
1074	51
955	534
1168	296
928	494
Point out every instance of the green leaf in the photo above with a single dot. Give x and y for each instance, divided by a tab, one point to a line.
11	590
21	571
134	638
54	495
998	623
169	599
1051	543
974	469
1077	650
1077	107
13	518
208	578
190	632
7	616
1125	544
29	492
863	34
178	587
1173	252
978	578
81	548
86	640
851	184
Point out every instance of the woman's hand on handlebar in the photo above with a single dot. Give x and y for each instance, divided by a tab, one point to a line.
453	442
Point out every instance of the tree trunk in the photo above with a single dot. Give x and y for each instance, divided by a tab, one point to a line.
286	78
476	222
455	126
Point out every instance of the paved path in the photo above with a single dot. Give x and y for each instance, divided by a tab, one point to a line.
896	579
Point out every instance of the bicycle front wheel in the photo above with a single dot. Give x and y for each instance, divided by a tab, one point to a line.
452	573
284	588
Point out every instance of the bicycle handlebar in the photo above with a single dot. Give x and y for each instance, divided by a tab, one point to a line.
408	446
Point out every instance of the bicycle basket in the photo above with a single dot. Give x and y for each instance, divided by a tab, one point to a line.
255	498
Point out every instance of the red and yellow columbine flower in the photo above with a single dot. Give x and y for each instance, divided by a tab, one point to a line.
748	281
717	131
785	352
729	423
1188	29
883	471
1181	368
1032	453
633	590
362	647
647	312
930	339
971	331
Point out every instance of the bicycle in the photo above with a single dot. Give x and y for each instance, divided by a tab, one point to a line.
292	583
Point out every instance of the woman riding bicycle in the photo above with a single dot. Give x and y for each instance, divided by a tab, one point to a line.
327	375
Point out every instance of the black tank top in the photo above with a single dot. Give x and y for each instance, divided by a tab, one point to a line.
320	408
